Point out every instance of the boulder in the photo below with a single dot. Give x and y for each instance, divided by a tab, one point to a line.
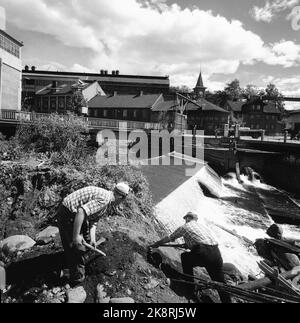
125	300
102	295
16	243
76	295
210	182
48	235
152	284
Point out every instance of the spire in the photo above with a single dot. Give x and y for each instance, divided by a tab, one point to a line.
200	81
199	89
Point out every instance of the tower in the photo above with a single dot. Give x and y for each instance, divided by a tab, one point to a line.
199	89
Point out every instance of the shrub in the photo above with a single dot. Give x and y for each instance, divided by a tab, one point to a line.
9	149
63	138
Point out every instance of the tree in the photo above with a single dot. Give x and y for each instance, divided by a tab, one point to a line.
233	90
275	96
218	98
77	102
180	89
252	90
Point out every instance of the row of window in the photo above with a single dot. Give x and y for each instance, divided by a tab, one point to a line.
267	117
53	103
9	46
119	114
258	126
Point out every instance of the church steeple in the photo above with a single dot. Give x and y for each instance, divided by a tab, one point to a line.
199	89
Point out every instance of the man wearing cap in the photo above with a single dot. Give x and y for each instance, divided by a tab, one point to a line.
204	250
77	219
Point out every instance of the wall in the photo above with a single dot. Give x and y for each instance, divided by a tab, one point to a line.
10	84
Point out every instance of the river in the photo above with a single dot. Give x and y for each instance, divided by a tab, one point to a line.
240	208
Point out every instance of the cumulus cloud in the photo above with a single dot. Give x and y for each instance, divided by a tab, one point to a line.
148	37
271	9
285	53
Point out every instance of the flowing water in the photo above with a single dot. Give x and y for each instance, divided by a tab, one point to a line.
238	217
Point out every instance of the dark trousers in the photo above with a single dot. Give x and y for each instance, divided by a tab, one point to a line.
208	257
74	254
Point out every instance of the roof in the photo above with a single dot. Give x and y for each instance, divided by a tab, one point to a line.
206	106
200	82
11	38
62	89
162	80
294	111
125	101
271	107
236	106
166	106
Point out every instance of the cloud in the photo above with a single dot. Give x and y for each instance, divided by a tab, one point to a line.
271	9
288	86
148	37
285	53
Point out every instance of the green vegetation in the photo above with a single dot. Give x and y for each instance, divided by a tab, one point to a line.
30	196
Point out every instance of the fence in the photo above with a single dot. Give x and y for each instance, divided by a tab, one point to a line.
10	115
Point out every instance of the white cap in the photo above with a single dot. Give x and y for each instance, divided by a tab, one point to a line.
122	189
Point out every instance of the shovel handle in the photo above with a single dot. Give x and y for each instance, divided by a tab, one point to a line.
93	248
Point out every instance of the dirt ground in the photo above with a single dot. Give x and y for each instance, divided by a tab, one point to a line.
36	276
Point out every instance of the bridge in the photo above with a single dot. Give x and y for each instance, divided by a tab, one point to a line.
13	118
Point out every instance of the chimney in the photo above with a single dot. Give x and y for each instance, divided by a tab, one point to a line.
102	72
117	72
33	68
26	68
106	72
113	72
2	19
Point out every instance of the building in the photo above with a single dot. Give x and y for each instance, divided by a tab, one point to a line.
147	108
293	121
34	80
256	113
235	110
55	98
10	68
203	114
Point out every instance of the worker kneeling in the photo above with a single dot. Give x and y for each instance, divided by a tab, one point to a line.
77	218
204	251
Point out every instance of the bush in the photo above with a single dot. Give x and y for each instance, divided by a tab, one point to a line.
63	138
9	149
36	194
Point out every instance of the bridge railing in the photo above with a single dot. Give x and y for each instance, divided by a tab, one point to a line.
24	116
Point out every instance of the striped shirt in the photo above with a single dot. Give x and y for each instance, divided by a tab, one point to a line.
93	200
194	233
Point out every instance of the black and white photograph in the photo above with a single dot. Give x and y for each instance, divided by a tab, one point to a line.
149	154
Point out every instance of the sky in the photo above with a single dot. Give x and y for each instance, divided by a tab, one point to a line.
255	41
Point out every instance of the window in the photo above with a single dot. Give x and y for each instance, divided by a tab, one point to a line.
125	113
135	113
9	46
104	113
61	103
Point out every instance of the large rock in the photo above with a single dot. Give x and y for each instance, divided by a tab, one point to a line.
102	295
210	182
76	295
48	235
125	300
16	243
